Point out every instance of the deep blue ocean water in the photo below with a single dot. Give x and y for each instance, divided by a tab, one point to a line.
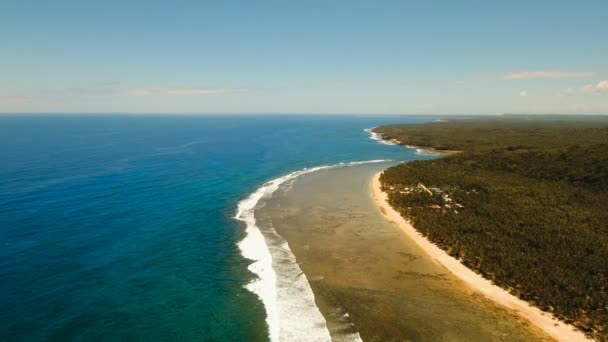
120	227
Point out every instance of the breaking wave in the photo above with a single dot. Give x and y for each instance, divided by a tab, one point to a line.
378	137
287	293
417	150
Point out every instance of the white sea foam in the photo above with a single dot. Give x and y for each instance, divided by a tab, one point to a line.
364	162
291	313
425	152
378	137
422	151
417	150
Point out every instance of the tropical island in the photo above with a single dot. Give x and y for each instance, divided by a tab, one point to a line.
522	204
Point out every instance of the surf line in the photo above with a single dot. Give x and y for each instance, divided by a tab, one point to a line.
378	137
284	294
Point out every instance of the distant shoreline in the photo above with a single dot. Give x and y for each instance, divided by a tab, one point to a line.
545	321
426	148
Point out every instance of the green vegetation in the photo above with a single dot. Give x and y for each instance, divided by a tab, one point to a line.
524	204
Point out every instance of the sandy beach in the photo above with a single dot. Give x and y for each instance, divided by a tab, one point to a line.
553	327
370	281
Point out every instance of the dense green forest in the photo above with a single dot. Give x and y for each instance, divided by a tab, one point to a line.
524	203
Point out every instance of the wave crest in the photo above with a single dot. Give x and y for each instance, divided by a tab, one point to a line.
287	294
378	137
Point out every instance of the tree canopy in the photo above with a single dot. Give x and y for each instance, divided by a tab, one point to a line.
523	204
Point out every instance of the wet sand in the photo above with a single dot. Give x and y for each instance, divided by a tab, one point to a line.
368	276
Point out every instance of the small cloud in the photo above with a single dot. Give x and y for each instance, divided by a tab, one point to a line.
601	87
588	88
528	75
183	91
523	93
567	92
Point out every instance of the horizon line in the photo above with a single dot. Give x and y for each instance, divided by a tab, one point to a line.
292	113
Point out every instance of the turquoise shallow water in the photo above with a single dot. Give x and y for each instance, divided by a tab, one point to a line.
121	227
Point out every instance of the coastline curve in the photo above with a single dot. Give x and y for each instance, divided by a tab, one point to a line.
545	321
378	137
286	293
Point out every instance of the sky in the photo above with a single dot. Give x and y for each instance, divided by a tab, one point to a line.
375	57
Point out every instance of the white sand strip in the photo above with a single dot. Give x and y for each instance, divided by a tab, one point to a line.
545	321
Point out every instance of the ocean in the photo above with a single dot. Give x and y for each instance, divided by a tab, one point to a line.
142	227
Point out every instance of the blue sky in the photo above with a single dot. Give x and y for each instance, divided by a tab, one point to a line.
406	57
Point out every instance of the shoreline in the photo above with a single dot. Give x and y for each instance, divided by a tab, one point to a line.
429	149
369	280
269	253
379	137
543	320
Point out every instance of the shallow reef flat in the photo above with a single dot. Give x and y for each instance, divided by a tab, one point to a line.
369	279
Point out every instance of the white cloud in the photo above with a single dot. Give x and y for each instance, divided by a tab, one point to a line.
527	75
600	87
183	91
588	88
523	93
567	92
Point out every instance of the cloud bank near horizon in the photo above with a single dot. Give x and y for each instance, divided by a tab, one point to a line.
183	91
530	75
